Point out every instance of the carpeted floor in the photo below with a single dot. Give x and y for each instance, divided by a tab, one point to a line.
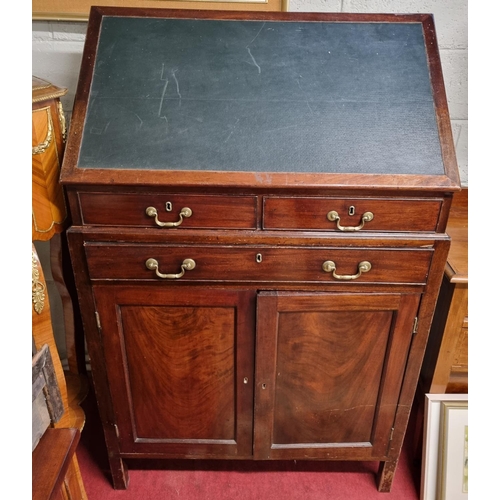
237	480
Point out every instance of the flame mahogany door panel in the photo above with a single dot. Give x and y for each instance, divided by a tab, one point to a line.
329	368
180	369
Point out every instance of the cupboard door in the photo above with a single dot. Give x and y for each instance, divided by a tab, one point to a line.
180	369
329	368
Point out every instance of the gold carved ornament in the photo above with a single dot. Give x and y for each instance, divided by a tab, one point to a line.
42	147
62	120
37	287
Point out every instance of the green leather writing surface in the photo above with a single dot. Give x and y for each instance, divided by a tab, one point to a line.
268	96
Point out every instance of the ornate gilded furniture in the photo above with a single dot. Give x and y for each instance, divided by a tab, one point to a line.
50	219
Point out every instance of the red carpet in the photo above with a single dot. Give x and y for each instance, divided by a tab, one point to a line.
237	480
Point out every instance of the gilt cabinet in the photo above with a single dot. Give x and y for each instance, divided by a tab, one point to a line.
48	206
258	232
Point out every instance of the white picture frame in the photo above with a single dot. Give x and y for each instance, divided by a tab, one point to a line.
430	482
453	469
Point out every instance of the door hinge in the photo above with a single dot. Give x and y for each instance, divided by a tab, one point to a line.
98	319
415	326
392	434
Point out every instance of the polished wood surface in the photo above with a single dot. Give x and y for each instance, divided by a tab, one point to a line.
190	398
451	371
49	214
457	265
51	461
308	213
233	264
257	352
55	468
331	373
73	416
228	212
445	367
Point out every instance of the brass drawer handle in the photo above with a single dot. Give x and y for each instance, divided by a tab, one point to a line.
330	267
185	212
187	265
334	216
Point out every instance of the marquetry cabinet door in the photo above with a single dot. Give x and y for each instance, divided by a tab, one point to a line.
329	368
179	362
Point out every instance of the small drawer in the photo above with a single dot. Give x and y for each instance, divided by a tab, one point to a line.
166	211
351	214
262	264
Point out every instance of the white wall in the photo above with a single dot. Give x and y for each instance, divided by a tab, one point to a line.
57	52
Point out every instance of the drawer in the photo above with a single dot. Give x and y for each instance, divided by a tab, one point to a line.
263	264
351	214
167	211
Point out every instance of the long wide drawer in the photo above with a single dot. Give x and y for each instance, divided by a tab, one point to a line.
166	211
351	214
263	264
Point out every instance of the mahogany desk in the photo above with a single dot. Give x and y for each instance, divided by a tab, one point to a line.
259	204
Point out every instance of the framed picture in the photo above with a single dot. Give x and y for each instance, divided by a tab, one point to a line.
444	469
78	10
453	469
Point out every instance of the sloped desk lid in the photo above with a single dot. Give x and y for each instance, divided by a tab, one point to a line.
277	95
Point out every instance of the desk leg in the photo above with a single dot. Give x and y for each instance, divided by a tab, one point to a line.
119	473
385	475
